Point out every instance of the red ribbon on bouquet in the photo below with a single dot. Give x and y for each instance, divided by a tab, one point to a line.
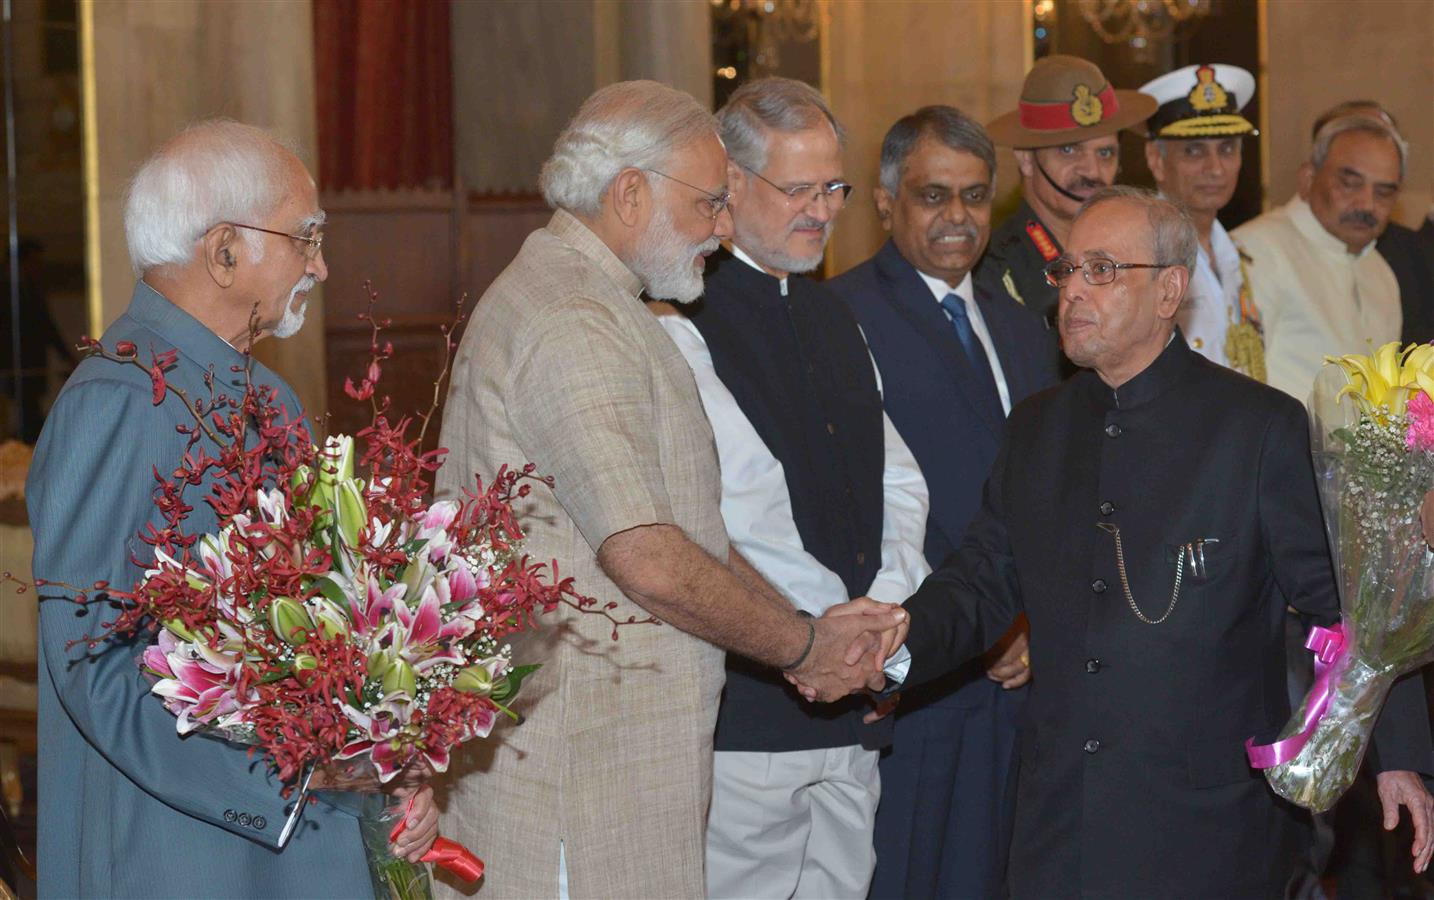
451	855
1328	645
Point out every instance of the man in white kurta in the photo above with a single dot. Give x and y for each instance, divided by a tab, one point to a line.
1322	288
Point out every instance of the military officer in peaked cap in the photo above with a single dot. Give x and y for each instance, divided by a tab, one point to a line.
1194	143
1064	134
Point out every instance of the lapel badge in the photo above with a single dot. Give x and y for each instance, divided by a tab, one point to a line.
1010	284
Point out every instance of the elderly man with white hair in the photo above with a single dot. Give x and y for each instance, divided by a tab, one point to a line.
223	225
606	785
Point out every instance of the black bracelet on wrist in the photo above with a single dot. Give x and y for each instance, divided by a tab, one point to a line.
811	639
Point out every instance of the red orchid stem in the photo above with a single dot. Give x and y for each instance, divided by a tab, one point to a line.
447	332
96	349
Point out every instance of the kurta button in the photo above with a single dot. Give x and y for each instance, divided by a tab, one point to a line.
861	559
1091	745
1092	666
1112	430
1098	585
831	429
1107	508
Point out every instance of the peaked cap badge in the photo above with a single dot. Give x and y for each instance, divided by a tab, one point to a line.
1208	95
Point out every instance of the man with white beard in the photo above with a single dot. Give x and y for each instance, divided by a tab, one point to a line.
818	491
224	232
604	789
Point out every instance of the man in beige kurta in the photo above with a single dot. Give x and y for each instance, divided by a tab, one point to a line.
1323	289
562	366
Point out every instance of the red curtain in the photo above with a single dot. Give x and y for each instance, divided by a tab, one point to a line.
384	81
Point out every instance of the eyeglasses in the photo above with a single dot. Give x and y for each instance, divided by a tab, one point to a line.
314	242
803	195
1096	271
711	204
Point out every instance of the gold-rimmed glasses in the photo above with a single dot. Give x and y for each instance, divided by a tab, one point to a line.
313	243
800	196
711	204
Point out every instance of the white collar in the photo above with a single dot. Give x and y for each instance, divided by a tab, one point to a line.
1226	258
742	255
1304	220
939	288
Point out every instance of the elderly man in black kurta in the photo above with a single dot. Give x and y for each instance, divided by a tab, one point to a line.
1154	516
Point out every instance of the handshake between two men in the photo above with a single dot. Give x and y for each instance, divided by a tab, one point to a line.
859	645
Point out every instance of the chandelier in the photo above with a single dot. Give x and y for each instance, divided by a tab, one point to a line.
769	23
1140	23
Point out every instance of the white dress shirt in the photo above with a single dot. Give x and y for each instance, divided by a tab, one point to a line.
1212	301
1315	297
966	290
757	507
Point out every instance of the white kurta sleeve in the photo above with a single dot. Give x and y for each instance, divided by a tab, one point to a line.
756	505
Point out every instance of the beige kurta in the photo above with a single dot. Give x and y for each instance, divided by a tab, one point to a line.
1315	297
562	366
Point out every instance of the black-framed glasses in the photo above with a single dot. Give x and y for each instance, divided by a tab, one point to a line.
313	243
800	196
711	204
1096	271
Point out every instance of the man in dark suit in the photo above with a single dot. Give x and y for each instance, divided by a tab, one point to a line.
1410	254
953	360
1153	517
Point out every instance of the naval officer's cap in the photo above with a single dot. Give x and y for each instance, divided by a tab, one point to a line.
1202	101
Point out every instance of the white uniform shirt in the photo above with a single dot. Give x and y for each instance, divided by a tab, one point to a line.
757	507
1315	298
1212	302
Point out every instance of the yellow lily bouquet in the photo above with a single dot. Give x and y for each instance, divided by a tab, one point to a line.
1373	444
1385	381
